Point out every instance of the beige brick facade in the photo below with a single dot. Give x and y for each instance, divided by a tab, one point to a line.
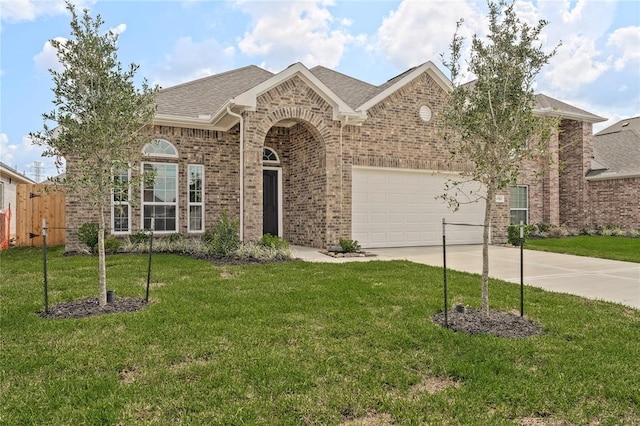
317	152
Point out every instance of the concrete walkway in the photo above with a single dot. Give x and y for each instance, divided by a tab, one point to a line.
599	279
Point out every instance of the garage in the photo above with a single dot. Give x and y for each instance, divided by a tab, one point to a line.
398	208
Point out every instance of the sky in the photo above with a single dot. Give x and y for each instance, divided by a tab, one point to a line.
596	68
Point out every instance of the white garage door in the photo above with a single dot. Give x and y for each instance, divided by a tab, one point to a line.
398	208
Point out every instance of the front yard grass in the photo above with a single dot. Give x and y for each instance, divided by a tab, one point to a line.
302	343
606	247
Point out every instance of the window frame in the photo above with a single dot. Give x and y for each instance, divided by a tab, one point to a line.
148	152
175	204
525	209
127	203
266	160
195	203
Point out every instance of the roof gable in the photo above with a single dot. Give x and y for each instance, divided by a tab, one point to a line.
398	82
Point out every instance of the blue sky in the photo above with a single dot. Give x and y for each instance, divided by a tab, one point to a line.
597	68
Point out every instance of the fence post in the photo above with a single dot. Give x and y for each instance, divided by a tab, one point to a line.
44	263
444	272
521	268
149	265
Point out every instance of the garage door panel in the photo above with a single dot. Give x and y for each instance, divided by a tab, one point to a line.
395	208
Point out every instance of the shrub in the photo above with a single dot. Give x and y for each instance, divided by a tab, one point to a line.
513	233
88	234
112	244
558	232
223	238
349	246
259	251
139	238
273	241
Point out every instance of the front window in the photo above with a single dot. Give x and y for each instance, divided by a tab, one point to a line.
160	198
120	208
519	204
196	198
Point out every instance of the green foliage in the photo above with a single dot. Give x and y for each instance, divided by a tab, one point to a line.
489	123
606	247
288	344
513	233
264	252
349	246
88	235
223	238
99	121
139	238
273	241
112	244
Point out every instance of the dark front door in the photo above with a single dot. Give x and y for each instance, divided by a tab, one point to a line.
270	202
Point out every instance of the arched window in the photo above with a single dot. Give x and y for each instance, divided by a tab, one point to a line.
160	148
160	197
269	155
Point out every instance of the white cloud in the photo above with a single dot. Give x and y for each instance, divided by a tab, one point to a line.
287	32
119	29
576	65
627	40
190	60
22	155
29	10
47	58
420	31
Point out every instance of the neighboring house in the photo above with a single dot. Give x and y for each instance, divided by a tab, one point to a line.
613	183
9	180
314	156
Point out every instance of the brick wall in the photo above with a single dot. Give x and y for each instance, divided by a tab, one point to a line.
614	202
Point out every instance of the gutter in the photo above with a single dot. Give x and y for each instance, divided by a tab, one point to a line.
241	170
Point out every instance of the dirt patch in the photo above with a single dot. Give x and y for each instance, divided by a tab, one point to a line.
496	323
91	307
432	385
349	254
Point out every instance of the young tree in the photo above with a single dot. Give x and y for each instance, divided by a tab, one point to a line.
489	122
99	120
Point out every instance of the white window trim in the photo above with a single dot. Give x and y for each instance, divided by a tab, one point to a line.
125	203
526	209
150	203
160	155
276	161
189	203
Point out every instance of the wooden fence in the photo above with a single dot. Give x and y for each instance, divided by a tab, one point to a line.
35	202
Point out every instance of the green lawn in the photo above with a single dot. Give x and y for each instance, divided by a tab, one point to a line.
616	248
302	343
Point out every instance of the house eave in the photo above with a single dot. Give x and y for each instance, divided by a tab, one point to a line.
552	112
612	176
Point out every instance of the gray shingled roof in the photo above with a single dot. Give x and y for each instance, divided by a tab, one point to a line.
351	90
618	148
544	102
207	95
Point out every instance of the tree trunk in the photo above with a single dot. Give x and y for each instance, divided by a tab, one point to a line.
102	269
485	249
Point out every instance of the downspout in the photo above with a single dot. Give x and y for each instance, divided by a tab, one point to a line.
241	170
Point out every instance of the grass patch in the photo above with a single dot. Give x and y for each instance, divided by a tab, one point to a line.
302	343
605	247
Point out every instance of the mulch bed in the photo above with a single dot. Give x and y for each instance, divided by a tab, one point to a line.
91	308
496	323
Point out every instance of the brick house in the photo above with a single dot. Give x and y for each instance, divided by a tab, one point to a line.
613	181
314	156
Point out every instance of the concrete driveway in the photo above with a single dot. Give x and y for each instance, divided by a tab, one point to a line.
600	279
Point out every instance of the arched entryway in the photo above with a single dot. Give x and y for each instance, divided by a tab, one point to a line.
295	183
